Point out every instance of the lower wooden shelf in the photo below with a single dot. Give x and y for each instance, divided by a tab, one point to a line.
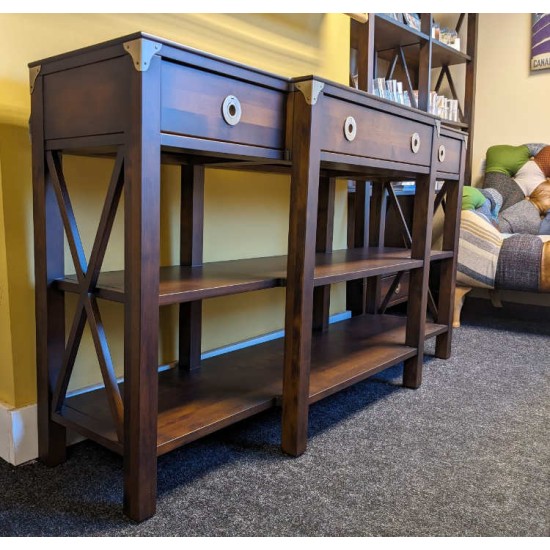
237	385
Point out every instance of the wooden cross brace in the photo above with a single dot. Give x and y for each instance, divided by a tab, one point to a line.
87	275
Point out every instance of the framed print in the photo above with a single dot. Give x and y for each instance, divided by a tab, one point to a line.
540	42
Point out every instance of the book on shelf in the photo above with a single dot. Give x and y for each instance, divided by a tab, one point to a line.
412	20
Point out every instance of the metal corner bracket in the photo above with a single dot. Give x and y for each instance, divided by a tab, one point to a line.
142	51
438	127
33	75
310	90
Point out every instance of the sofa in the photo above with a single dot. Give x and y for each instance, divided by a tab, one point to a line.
504	237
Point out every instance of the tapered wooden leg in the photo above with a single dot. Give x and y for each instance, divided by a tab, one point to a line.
191	253
447	285
50	305
141	280
419	278
460	295
301	264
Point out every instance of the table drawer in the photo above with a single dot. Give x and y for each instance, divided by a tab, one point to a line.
193	105
400	293
376	134
448	154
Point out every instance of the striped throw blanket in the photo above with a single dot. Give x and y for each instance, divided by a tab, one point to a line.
478	251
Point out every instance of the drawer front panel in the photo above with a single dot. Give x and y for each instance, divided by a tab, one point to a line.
88	100
377	134
400	293
192	104
451	160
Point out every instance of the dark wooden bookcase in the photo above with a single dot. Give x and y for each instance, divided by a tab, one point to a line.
144	101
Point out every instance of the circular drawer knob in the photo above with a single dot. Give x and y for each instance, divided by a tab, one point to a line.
415	143
350	128
441	153
231	110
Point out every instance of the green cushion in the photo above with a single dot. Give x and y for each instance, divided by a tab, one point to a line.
506	159
472	198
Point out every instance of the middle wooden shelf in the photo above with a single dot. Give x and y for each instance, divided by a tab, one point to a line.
180	284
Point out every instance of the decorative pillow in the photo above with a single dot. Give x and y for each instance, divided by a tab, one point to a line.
544	228
478	250
540	197
522	217
506	186
506	159
529	176
472	198
543	160
535	148
519	263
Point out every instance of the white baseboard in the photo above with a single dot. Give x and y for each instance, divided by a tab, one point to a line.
19	427
18	434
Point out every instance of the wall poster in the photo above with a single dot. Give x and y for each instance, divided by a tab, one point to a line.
540	42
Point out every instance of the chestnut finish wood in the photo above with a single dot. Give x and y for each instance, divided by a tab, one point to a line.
306	135
242	383
191	249
447	283
377	227
49	264
419	278
141	288
172	111
358	237
325	231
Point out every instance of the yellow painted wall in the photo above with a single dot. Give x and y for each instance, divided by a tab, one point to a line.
246	215
7	389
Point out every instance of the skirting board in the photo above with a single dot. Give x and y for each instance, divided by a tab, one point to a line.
19	430
18	434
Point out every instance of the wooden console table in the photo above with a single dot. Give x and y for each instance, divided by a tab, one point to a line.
143	100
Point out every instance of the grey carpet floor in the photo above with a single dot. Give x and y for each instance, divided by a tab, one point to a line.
467	454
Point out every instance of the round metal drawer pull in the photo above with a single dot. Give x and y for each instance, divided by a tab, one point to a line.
415	143
441	153
398	289
231	110
350	128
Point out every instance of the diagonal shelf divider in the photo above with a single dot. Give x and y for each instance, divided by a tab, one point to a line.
87	276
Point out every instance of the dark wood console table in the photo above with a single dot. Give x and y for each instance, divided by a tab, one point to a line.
143	100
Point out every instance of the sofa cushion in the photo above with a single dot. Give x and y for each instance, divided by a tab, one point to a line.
511	192
478	251
506	159
535	148
519	263
529	176
543	160
540	197
522	217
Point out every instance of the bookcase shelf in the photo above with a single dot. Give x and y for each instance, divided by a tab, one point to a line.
383	44
242	383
